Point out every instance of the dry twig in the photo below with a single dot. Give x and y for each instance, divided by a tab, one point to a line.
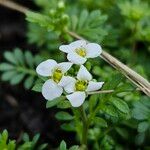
13	5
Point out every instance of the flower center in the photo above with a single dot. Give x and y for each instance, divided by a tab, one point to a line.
81	51
81	85
57	75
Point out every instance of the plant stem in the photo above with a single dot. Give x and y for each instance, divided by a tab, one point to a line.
85	127
100	92
13	5
26	70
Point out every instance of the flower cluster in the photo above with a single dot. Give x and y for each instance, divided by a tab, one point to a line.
76	87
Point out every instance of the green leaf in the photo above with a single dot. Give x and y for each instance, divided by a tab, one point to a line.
97	70
6	143
114	82
101	122
110	110
92	102
26	145
38	18
141	110
18	71
63	116
26	137
64	104
29	82
38	60
143	126
10	57
54	102
29	59
37	87
120	104
35	140
124	87
82	18
4	135
139	114
75	147
123	132
42	147
8	75
74	22
145	101
19	55
17	79
12	145
140	138
6	66
89	25
63	145
68	127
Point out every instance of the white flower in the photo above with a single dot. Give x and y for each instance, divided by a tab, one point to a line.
78	87
79	51
53	87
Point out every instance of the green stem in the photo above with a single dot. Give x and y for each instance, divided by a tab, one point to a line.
85	127
77	120
92	115
26	70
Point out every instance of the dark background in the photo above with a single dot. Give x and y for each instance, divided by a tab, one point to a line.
23	110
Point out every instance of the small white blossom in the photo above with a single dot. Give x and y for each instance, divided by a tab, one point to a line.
53	87
79	51
77	88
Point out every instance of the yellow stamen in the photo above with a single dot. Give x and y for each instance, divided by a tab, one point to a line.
81	85
57	75
81	51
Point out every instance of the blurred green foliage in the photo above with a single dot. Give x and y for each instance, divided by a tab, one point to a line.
25	144
20	66
141	112
120	120
4	143
63	146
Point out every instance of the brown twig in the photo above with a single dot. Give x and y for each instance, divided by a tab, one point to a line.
13	5
134	77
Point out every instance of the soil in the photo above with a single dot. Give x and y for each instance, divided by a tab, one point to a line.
23	110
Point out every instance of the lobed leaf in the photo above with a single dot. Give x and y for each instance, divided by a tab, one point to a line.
120	104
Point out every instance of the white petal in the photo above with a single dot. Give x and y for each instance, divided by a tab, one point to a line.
93	50
83	74
65	48
51	90
65	80
65	66
70	87
76	99
75	58
94	86
45	68
78	43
